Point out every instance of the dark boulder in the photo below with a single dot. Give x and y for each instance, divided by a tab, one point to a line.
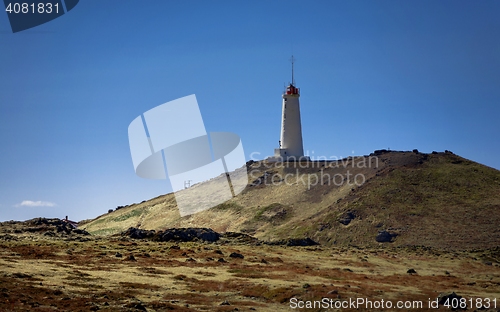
239	238
188	234
293	242
236	255
63	228
138	233
444	298
385	237
301	242
347	217
379	152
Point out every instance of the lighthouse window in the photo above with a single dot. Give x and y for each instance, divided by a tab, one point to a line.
285	100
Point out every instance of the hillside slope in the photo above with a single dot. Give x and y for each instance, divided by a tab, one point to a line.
406	198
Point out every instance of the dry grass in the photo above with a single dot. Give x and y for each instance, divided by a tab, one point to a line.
438	200
79	276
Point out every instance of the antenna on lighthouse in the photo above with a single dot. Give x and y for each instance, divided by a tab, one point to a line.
293	61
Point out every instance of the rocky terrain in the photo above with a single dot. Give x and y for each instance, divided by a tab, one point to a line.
421	230
438	200
197	269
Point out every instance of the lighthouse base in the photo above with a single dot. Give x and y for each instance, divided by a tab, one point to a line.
283	154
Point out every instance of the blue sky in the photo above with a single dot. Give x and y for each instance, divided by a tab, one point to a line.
373	75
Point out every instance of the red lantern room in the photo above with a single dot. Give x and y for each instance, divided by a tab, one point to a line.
291	89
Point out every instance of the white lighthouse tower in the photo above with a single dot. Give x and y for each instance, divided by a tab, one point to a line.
290	145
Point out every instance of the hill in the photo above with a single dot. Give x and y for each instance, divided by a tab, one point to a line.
438	200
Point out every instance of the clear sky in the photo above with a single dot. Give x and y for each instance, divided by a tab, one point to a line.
373	75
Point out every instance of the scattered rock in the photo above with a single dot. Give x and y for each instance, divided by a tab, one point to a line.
221	260
379	152
131	258
293	242
324	226
20	275
240	238
188	234
301	242
442	298
138	233
174	234
236	255
136	305
249	163
48	227
118	255
385	237
347	217
411	271
225	302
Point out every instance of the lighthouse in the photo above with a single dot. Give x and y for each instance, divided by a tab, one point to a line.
290	144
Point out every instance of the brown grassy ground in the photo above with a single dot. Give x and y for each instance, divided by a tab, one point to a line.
81	273
438	200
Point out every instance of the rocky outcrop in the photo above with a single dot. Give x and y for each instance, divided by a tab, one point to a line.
447	298
175	234
139	233
347	217
50	227
188	234
209	235
294	242
385	237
